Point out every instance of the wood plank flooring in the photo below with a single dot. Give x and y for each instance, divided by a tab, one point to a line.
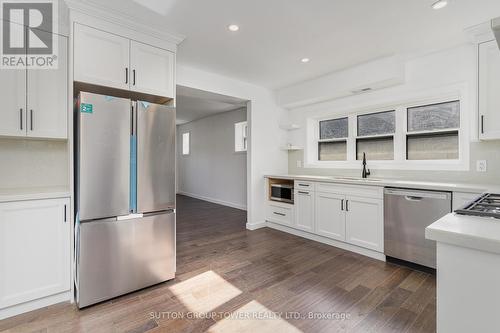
233	280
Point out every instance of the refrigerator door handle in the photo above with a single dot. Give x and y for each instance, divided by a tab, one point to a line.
161	212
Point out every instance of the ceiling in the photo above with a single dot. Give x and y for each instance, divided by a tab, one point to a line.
195	104
275	34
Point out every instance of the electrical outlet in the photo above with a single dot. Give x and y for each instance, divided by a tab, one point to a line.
299	164
481	166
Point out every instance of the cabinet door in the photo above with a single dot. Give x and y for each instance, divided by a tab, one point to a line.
34	250
304	210
489	86
101	58
330	216
48	98
152	70
13	99
365	223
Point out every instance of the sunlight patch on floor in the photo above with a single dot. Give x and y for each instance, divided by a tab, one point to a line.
253	317
205	292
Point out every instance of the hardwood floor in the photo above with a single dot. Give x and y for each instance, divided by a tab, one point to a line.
233	280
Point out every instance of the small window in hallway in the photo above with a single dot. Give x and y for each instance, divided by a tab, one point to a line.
240	136
185	143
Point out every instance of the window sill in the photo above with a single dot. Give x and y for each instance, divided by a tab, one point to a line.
424	165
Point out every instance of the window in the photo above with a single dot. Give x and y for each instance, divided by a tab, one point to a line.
185	143
432	132
240	136
332	144
430	135
376	135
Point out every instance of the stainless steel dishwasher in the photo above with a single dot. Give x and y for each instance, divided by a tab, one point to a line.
406	215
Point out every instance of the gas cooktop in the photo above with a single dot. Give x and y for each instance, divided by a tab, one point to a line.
487	205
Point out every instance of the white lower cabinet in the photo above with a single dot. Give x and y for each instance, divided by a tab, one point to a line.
364	223
34	250
350	214
330	215
304	210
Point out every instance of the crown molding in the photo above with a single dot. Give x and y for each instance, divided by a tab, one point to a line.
123	20
480	33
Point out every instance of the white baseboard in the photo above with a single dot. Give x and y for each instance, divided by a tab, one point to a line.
215	201
256	225
328	241
15	310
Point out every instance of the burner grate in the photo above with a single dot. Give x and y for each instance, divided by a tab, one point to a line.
487	205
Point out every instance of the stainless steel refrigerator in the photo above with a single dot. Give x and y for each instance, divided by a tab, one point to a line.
125	196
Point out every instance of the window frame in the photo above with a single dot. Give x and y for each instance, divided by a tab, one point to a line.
241	139
400	161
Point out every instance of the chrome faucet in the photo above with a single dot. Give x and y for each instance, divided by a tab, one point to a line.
366	172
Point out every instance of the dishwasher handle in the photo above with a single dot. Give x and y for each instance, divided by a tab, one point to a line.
418	195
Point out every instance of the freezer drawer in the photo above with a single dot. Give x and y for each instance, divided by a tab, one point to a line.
117	257
103	156
406	215
155	157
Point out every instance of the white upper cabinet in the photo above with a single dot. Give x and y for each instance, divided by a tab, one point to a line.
489	87
34	101
35	250
304	210
109	60
47	99
365	223
152	70
330	215
101	58
13	97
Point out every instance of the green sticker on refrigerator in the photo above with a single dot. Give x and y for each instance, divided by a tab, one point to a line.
86	108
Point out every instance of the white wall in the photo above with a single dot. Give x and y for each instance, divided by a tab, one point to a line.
213	171
425	75
266	138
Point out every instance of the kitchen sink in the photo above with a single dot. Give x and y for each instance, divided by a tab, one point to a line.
359	179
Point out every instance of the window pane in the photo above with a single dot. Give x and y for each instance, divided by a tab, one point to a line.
434	117
432	147
333	129
375	149
332	151
377	123
185	143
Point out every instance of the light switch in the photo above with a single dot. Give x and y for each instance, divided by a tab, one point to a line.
481	166
299	164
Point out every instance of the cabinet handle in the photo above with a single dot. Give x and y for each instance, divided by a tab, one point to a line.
65	219
280	214
31	119
304	185
21	118
133	74
302	192
482	124
347	205
342	204
126	75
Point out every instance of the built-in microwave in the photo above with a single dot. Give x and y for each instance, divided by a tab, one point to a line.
282	192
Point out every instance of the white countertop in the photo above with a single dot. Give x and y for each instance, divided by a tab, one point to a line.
480	233
34	193
383	182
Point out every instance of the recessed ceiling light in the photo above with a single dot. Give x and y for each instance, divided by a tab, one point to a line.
440	4
233	27
305	60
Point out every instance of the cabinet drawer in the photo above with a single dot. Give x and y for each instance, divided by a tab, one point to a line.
280	214
301	185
